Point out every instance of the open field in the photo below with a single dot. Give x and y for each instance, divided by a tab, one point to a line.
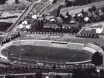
51	54
4	26
6	23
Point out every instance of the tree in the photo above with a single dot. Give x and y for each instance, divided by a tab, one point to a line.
67	13
59	22
93	8
82	11
29	76
69	3
58	76
69	16
16	1
19	34
58	10
54	66
38	75
103	47
61	16
102	74
54	1
66	1
3	1
42	24
102	9
97	58
9	76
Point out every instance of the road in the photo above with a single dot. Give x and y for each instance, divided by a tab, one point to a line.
15	25
26	12
78	9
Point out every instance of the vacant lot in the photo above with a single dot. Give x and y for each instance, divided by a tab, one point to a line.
4	26
51	54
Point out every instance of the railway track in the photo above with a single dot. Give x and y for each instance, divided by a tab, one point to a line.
25	13
15	25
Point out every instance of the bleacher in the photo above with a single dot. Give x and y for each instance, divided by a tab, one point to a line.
97	48
77	46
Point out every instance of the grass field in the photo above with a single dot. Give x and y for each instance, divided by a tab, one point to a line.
4	26
54	12
51	54
52	9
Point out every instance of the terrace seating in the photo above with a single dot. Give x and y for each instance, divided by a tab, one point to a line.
96	47
74	46
88	35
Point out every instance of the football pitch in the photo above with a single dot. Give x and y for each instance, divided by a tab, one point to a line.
50	54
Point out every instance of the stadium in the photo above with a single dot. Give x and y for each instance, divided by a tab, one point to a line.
46	51
44	45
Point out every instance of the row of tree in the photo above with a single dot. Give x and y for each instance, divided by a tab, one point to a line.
45	32
4	1
88	35
9	39
88	73
24	68
54	30
62	30
37	25
78	2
